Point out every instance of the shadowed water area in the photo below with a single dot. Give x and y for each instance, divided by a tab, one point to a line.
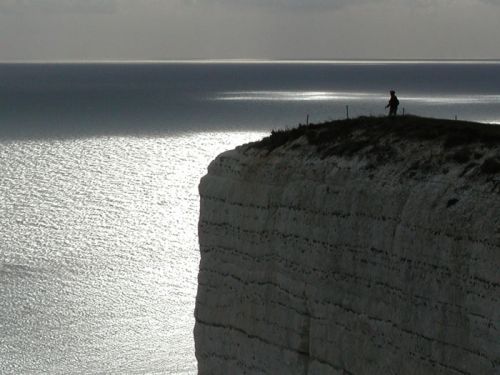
93	99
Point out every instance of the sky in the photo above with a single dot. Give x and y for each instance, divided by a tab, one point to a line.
90	30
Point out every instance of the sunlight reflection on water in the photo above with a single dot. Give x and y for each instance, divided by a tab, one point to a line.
352	96
98	252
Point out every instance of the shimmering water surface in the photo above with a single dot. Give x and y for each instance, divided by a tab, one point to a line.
99	252
99	167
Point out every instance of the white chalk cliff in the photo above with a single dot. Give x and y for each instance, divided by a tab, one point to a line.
366	246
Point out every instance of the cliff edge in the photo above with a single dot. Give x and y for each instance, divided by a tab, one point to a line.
365	246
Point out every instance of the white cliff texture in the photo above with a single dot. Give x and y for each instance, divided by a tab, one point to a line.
366	246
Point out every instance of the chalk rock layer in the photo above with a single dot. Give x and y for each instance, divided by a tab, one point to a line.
357	247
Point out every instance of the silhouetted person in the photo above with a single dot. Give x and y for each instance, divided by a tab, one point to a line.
393	104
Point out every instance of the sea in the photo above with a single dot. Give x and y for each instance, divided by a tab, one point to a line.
99	172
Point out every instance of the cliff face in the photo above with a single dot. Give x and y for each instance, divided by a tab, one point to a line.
357	247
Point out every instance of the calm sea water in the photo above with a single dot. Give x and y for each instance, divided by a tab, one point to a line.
99	166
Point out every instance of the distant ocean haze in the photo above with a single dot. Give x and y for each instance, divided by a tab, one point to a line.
99	167
124	98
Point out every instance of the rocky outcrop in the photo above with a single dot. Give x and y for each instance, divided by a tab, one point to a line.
363	246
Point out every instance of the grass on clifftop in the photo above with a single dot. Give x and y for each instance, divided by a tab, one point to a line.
377	136
452	132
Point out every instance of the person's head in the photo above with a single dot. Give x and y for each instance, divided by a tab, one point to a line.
393	92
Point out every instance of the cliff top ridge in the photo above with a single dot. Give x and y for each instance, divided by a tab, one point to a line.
384	139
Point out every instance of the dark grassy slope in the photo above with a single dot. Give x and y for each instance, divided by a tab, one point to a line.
383	139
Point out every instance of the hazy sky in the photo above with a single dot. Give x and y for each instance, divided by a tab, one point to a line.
257	29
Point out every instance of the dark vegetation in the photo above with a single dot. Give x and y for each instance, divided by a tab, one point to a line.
491	166
367	130
382	139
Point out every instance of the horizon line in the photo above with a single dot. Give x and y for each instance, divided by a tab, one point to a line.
249	61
